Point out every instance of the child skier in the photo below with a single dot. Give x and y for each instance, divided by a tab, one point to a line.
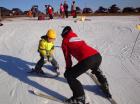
46	50
88	58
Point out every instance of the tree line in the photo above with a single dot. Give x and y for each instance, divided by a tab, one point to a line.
115	9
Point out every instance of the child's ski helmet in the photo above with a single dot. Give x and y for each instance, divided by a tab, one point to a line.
51	33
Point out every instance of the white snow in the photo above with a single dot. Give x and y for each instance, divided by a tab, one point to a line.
113	36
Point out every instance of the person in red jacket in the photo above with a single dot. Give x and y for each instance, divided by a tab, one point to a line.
50	12
88	58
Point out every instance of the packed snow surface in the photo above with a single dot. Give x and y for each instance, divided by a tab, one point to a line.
114	37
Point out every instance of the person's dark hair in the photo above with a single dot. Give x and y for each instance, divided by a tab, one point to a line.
66	30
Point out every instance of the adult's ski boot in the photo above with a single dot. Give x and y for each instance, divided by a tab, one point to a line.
103	82
75	100
105	89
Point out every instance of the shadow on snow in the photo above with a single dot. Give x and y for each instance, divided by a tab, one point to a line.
18	68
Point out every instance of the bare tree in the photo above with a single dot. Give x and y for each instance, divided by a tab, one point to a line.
101	10
114	9
128	10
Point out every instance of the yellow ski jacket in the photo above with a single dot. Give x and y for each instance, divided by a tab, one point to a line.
45	48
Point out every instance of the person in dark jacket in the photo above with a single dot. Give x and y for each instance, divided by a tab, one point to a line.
66	9
73	10
88	58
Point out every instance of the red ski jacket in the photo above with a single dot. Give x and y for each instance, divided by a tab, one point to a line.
50	11
72	45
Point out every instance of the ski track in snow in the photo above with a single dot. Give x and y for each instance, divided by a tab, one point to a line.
113	36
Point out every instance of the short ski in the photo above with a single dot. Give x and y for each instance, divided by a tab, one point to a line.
46	75
49	97
112	101
45	96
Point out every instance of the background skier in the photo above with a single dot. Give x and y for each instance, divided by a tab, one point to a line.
66	9
50	12
62	10
88	58
0	18
73	10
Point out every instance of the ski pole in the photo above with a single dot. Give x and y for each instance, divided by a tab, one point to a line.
138	28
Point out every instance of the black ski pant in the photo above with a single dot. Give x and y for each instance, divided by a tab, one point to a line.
41	62
66	14
51	16
93	63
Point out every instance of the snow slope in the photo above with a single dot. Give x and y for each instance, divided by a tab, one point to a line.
113	36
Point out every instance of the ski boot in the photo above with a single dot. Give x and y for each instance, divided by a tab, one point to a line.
75	100
103	82
1	24
57	70
105	89
41	72
38	71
